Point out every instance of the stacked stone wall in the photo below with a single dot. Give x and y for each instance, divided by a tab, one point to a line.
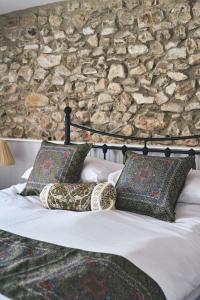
123	66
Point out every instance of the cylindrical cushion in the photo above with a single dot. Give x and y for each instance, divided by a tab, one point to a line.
79	196
68	196
103	197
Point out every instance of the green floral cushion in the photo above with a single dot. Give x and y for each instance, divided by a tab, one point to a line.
79	196
56	163
151	185
69	196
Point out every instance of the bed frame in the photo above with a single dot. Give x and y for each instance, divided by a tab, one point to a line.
144	149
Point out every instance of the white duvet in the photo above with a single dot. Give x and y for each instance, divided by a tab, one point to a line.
168	252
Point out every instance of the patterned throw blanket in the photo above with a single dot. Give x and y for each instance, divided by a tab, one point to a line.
31	269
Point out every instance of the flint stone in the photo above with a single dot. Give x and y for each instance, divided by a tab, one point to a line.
138	70
126	99
198	95
180	13
161	98
154	121
36	100
197	125
106	107
71	61
170	89
114	88
80	87
141	99
31	47
116	71
68	88
175	53
108	31
26	73
89	71
137	50
186	87
83	116
28	20
191	45
59	34
127	130
3	69
12	76
173	129
172	107
121	107
133	109
55	21
93	41
98	52
57	80
177	76
130	4
145	36
196	33
88	30
121	50
144	20
40	74
48	61
125	17
57	116
126	116
162	26
156	48
192	106
100	118
104	98
62	70
194	59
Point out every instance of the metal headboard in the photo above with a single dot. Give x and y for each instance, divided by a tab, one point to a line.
145	150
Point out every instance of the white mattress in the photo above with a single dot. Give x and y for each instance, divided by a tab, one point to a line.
168	252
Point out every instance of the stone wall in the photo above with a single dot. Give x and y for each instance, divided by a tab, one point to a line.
124	66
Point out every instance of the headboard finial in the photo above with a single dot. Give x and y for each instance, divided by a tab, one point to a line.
68	110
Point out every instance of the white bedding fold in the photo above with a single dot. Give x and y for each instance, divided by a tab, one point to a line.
168	252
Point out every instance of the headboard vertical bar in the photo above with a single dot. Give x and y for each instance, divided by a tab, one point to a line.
145	150
104	149
67	111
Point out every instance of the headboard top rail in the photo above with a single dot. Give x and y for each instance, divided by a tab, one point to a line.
145	150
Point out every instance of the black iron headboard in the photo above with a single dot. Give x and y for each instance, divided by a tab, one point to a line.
145	150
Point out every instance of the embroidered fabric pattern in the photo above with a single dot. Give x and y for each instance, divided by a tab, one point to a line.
151	185
69	196
103	197
34	270
56	163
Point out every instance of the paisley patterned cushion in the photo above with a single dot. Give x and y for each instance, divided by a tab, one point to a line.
103	197
56	163
78	196
151	185
69	196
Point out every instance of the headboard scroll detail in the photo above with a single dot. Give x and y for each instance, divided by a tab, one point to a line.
145	150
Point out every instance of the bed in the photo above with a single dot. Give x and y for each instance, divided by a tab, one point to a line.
166	255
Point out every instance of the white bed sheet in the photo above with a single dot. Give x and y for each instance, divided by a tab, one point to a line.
168	252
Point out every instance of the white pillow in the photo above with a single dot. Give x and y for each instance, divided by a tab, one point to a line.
98	170
191	191
27	173
113	177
